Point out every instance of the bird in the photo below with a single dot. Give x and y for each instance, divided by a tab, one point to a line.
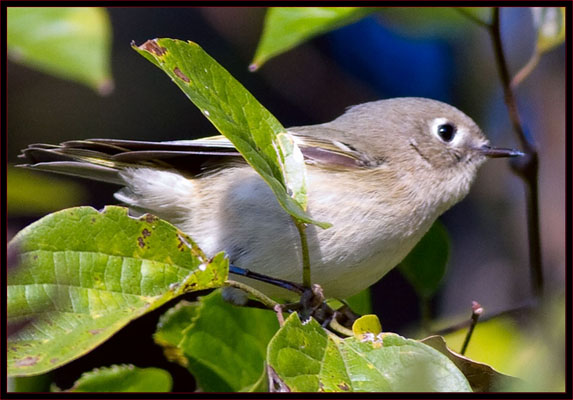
381	173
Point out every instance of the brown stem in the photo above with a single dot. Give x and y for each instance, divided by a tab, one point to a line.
526	167
477	310
526	70
516	312
503	71
306	279
261	297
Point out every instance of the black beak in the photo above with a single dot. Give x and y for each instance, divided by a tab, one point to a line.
497	152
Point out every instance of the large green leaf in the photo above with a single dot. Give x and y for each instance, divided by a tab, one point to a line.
222	345
253	130
69	42
83	275
124	378
425	265
305	358
287	27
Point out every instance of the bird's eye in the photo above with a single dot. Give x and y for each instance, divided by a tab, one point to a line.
446	132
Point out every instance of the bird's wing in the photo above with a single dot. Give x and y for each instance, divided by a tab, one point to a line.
103	159
331	153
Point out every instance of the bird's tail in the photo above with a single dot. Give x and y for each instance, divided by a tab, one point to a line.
106	159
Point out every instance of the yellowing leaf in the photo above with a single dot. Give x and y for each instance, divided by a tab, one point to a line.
366	324
550	25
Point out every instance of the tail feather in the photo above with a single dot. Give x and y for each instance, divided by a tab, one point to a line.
79	162
79	169
105	159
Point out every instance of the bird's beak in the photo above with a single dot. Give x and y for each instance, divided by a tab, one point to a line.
497	152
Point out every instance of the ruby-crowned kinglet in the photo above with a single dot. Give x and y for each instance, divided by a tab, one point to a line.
381	173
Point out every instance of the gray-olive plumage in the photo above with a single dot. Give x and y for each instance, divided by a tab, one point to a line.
381	173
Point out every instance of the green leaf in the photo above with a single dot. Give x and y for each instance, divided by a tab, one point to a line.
171	327
124	378
37	383
305	358
253	130
428	22
287	27
24	187
223	346
69	42
83	275
293	167
549	23
425	265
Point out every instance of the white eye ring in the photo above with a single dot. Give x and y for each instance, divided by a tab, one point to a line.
446	131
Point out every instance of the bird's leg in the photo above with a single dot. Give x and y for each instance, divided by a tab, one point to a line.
311	303
293	287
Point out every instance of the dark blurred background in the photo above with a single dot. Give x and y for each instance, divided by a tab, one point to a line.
372	59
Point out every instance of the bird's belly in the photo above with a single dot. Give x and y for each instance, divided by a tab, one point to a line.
258	235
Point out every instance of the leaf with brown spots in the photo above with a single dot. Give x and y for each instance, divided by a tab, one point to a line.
260	138
181	75
85	274
152	47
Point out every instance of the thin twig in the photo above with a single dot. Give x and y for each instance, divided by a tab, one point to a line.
278	309
512	312
477	310
264	299
526	167
425	309
495	34
306	278
526	70
337	327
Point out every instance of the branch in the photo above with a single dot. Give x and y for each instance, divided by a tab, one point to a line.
526	70
301	226
477	310
264	299
524	309
526	167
